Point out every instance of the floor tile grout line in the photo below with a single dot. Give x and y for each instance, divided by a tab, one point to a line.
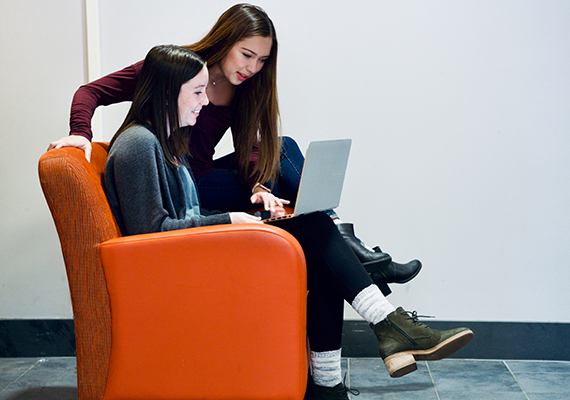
347	383
432	381
516	380
21	376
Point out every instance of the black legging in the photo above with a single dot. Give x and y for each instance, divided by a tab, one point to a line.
334	274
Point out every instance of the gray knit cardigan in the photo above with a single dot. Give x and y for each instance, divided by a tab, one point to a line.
145	194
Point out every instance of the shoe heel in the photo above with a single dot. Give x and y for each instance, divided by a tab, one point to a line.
400	364
377	265
384	288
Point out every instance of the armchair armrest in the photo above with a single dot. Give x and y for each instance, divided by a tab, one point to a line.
194	306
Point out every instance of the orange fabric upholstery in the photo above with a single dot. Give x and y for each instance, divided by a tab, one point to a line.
74	192
203	313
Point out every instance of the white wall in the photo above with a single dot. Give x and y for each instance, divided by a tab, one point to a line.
41	64
458	111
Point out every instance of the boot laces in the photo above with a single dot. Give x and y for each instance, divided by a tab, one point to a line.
346	389
413	315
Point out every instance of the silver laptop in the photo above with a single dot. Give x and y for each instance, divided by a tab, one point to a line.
322	177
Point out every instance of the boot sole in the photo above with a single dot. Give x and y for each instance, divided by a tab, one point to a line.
403	363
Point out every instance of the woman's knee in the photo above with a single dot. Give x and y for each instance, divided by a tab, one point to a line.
289	144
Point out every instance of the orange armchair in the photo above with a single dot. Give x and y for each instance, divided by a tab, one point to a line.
203	313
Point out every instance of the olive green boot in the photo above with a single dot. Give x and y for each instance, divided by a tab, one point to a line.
403	341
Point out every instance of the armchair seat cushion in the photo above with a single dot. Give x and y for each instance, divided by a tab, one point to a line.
195	314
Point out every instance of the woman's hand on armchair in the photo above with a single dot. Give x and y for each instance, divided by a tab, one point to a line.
73	141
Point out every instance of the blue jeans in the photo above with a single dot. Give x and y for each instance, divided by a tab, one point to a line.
223	190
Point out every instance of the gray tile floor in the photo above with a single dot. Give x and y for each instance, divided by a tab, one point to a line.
451	379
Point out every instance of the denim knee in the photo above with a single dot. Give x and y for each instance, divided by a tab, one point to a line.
289	144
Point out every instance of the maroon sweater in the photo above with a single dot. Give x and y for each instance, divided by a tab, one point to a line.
119	86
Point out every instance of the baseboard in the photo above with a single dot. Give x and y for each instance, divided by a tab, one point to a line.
37	338
493	340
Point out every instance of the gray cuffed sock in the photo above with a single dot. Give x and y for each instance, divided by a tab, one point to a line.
326	369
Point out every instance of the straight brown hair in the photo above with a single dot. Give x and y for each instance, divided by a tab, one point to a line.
155	102
255	104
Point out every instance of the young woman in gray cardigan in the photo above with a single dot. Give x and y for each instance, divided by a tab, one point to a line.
150	189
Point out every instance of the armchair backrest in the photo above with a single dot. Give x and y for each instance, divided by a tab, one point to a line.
74	191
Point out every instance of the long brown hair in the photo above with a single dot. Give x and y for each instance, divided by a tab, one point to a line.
256	109
155	102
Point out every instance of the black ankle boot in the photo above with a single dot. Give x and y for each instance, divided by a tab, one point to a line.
378	263
397	273
371	260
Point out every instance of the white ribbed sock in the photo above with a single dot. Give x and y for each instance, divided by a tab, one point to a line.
371	305
326	369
